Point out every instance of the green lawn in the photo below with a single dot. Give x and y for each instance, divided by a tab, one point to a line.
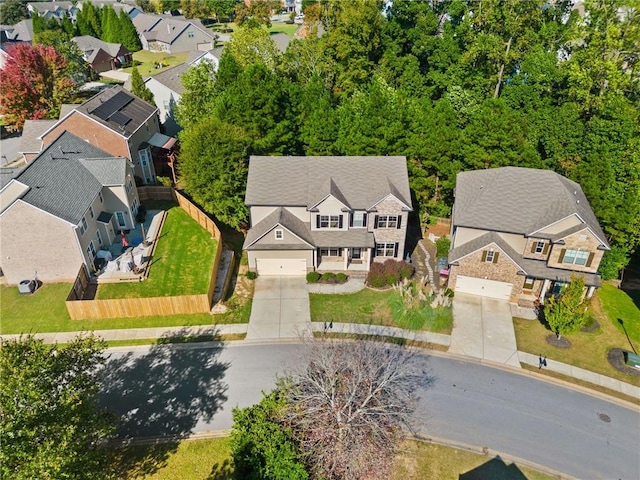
181	263
211	459
150	59
367	306
281	27
588	350
45	311
616	304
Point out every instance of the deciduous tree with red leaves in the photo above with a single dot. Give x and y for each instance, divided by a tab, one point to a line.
34	84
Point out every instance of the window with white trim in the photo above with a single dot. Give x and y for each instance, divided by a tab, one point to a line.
83	226
539	247
385	249
91	251
91	214
331	252
122	223
528	283
100	197
489	256
329	221
576	257
358	220
387	221
279	233
99	237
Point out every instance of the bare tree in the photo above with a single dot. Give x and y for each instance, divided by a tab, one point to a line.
348	405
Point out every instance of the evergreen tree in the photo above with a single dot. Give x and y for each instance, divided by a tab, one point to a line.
138	87
128	34
110	25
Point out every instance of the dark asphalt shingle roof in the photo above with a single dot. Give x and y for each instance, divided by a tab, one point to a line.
172	77
64	179
283	217
136	109
519	200
304	181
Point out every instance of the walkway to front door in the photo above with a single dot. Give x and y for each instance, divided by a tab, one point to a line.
280	308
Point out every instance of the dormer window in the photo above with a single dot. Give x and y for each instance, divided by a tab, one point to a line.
359	219
279	233
540	247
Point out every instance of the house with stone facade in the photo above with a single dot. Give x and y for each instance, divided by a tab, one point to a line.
58	211
171	34
325	213
119	123
520	234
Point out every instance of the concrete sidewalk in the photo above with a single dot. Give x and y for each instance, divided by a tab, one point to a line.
353	285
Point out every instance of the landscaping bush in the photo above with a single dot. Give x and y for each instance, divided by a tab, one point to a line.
443	245
164	181
313	277
251	275
376	277
341	277
328	277
388	273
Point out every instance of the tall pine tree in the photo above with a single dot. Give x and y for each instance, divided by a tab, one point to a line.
138	87
128	35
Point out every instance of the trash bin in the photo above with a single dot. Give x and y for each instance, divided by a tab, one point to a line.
26	286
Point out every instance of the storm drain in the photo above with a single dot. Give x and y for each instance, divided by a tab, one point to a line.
604	417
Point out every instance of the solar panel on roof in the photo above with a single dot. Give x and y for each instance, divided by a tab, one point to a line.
111	106
120	118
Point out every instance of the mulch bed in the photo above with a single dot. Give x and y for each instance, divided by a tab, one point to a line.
561	342
616	359
592	327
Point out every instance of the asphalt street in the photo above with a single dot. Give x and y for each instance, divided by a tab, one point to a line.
181	389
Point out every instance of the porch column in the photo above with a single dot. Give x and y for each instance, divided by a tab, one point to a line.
543	292
315	259
590	291
345	258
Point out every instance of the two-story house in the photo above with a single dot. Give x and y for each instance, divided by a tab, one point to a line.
117	122
61	208
325	213
519	234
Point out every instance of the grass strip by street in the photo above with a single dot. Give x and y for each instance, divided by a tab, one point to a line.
181	263
167	340
209	459
45	311
379	338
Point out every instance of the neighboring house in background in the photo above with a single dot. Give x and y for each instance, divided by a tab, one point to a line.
21	32
119	123
325	213
102	56
519	234
30	141
167	90
213	56
162	33
57	10
61	208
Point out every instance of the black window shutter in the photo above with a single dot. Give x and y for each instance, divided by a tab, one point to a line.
590	259
395	249
317	221
375	221
340	221
364	219
484	256
399	221
562	252
350	220
545	250
495	257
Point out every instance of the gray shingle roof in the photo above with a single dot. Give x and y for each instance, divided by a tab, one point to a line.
60	181
304	181
283	217
172	77
137	110
282	41
29	142
519	200
531	268
90	46
359	237
44	7
164	28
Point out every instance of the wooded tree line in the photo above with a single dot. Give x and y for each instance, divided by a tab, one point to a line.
453	85
103	23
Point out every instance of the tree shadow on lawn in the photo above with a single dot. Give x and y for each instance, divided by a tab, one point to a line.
165	392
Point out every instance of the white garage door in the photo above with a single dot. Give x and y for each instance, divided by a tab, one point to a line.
281	266
486	288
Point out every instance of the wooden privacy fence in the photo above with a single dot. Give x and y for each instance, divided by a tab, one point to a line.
150	306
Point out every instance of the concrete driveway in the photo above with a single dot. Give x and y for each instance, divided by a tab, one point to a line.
483	328
280	308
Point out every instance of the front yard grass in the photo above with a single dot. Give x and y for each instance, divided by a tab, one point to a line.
149	61
181	263
45	311
282	27
588	350
211	459
370	307
618	305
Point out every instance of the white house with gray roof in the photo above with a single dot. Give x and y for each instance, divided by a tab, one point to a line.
325	213
61	208
519	234
165	33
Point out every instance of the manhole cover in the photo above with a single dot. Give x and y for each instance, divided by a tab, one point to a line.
604	417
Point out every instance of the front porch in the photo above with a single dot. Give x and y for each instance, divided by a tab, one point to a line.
345	259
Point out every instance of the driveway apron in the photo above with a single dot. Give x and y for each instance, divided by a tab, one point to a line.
280	308
483	328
